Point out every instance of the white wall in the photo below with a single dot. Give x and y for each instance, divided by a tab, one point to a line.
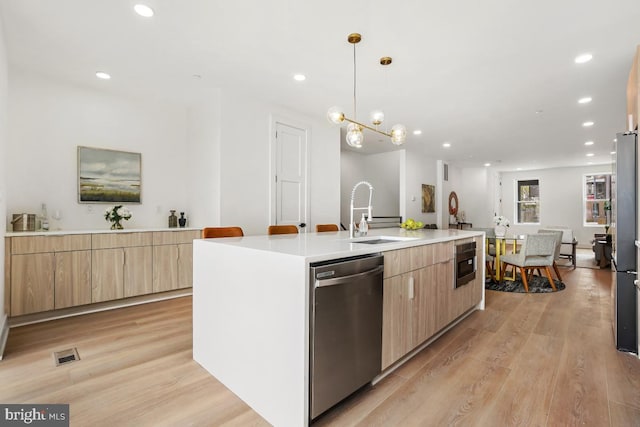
476	196
417	169
203	135
560	199
382	171
3	163
49	119
245	171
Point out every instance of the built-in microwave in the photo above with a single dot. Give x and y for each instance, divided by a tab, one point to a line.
465	263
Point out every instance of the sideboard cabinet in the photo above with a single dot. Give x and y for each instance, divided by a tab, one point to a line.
50	272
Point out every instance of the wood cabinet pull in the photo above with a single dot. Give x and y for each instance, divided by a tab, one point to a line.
411	288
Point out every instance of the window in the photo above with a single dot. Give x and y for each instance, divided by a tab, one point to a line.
528	206
597	199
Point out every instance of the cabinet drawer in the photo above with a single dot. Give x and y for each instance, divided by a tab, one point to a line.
403	260
40	244
120	240
174	237
438	252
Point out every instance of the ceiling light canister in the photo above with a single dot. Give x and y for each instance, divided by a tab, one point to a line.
585	57
143	10
102	75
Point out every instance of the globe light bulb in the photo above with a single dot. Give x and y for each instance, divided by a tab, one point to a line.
398	134
377	117
335	115
354	135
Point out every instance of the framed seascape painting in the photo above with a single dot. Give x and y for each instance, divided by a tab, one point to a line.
108	176
428	198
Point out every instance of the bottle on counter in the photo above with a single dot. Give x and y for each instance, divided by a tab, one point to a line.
182	220
173	219
363	228
44	218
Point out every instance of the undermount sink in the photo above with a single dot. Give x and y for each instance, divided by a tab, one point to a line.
378	240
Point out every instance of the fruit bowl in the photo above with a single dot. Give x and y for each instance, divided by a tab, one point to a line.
411	224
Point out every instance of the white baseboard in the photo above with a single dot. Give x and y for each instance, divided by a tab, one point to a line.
4	334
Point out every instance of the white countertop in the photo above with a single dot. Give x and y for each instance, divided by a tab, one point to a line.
332	245
105	230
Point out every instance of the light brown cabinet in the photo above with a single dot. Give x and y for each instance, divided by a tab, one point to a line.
47	272
173	260
420	297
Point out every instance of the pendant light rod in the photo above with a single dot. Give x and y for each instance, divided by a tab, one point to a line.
354	135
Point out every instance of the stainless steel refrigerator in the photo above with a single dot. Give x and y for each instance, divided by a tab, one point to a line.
625	231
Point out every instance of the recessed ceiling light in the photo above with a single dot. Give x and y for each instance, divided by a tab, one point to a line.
590	154
102	75
589	163
446	145
487	164
585	100
518	169
613	152
417	132
143	10
615	139
587	124
585	57
539	111
588	143
299	77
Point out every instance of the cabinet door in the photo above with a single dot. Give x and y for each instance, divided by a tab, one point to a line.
444	294
72	278
32	283
165	268
185	265
107	274
425	304
138	271
396	319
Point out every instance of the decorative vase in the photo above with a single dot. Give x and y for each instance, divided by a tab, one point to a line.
500	230
116	225
173	219
182	220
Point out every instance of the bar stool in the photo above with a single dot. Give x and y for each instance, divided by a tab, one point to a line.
282	229
326	227
213	232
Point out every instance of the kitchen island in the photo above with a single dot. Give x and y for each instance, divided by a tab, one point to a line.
251	306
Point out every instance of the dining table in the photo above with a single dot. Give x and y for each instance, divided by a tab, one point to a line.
500	244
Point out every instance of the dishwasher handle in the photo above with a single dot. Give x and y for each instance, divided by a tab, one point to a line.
320	283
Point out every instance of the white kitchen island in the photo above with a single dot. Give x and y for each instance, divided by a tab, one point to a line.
251	309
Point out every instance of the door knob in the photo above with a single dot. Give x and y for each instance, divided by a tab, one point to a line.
302	225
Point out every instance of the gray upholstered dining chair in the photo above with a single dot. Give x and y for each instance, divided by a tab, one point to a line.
556	255
537	252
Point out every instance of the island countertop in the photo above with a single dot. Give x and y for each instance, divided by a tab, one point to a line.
314	247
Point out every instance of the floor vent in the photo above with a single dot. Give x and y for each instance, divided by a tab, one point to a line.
66	356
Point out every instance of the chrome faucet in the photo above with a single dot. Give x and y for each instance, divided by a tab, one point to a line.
367	208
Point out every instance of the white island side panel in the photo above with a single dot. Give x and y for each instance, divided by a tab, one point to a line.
250	323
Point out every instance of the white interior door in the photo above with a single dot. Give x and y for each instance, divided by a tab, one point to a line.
291	175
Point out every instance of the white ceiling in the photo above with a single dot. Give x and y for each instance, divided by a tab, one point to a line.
468	72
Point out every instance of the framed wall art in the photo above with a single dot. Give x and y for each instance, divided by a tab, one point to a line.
108	176
428	198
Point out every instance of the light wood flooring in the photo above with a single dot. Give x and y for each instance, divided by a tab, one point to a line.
538	359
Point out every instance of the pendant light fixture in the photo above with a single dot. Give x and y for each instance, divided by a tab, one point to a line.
355	137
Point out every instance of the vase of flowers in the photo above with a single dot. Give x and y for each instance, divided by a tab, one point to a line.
116	214
501	223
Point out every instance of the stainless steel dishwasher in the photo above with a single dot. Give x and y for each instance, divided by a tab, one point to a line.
345	328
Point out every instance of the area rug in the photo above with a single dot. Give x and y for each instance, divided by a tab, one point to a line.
537	285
